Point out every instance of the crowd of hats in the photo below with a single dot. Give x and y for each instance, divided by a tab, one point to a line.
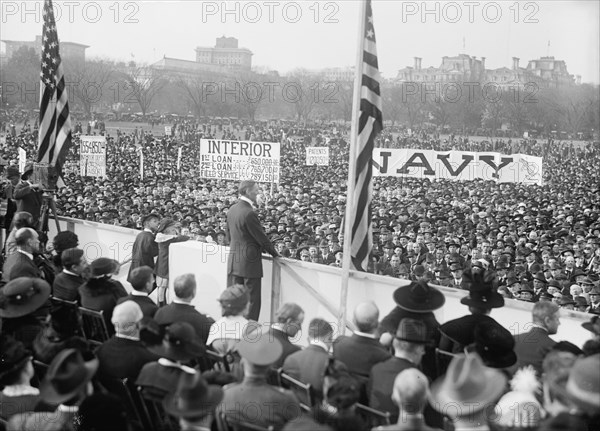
474	381
308	204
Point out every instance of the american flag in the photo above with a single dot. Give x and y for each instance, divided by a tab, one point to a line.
54	139
370	123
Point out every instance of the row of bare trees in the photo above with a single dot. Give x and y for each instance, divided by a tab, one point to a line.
100	85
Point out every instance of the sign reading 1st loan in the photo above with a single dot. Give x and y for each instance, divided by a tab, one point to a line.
92	156
240	160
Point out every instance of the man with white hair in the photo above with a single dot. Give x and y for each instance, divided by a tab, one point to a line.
124	355
364	340
411	388
21	263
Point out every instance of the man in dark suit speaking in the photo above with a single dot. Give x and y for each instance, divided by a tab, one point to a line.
247	241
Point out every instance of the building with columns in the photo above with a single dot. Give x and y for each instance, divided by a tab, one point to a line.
544	72
226	53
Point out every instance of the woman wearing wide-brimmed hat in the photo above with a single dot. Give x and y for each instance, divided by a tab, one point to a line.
417	300
23	308
101	292
483	297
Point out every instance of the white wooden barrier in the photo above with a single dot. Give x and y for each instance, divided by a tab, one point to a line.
316	288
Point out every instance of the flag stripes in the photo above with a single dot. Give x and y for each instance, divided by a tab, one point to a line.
54	139
370	123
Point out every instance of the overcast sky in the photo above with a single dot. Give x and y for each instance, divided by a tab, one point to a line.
284	35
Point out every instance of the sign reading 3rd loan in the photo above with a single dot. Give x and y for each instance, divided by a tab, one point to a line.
239	160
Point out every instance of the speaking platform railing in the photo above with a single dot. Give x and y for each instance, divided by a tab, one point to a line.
316	288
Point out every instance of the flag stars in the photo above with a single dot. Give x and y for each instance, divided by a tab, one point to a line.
370	34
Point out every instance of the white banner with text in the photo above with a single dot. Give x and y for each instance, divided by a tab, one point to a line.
317	156
457	165
92	156
240	160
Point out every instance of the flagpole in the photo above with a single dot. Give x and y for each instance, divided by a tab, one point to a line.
350	202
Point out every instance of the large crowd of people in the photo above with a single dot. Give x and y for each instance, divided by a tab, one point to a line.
421	228
538	244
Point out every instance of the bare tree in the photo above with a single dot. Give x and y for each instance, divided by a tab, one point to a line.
143	83
87	81
302	91
251	91
195	88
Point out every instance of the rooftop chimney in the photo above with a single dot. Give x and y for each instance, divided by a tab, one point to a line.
483	64
417	63
515	63
578	79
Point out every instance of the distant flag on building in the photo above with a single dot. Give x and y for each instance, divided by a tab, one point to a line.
54	139
369	124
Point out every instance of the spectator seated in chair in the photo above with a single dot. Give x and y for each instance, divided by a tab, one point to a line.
142	281
16	372
180	346
100	292
67	282
61	332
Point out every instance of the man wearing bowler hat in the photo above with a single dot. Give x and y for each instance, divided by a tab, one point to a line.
416	300
409	347
180	345
194	402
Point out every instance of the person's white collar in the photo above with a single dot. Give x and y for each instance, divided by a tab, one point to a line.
168	363
180	301
138	293
245	199
535	325
66	271
29	255
365	334
127	337
20	390
320	344
68	409
148	230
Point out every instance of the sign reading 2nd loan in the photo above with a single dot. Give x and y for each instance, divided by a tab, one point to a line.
92	156
317	156
240	160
